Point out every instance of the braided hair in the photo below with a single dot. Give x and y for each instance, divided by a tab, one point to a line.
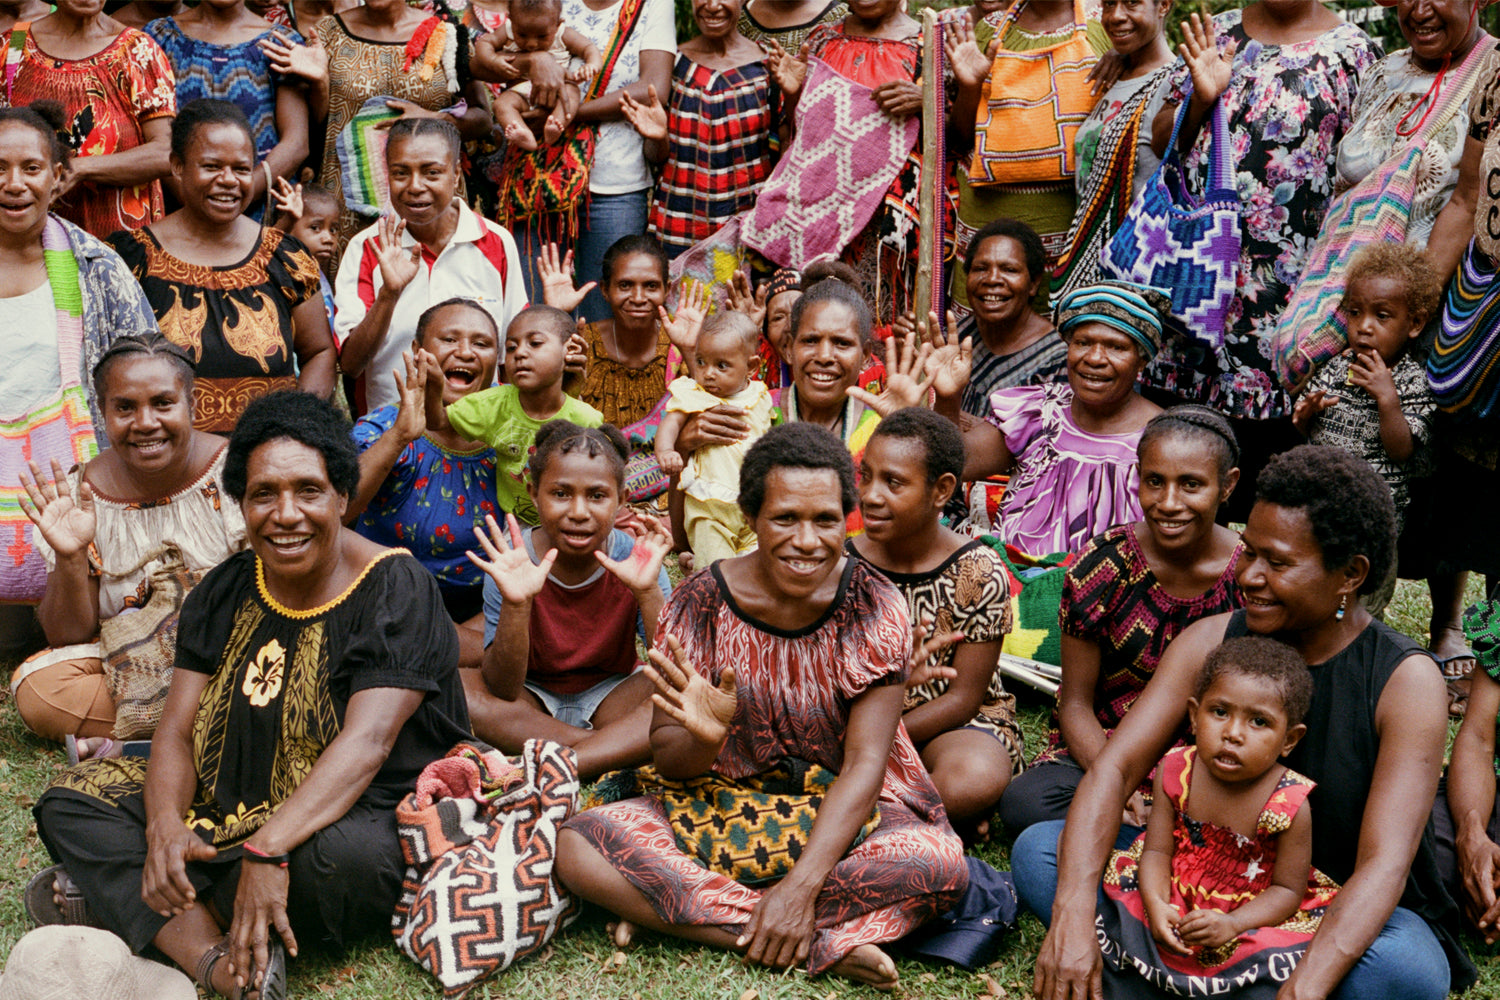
142	345
1201	422
563	437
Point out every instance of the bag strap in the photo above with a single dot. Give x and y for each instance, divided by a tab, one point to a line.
1448	103
630	16
1220	169
15	47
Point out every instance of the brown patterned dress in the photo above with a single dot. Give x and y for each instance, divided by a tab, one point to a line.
623	394
235	321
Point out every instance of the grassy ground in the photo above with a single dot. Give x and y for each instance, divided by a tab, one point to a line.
583	963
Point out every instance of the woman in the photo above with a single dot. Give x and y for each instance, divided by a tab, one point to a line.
302	16
778	22
389	49
215	52
315	679
793	651
1005	267
1115	158
879	47
1129	593
48	411
1038	188
243	299
1072	447
1322	531
964	725
118	97
22	10
631	356
713	143
103	531
643	36
1287	73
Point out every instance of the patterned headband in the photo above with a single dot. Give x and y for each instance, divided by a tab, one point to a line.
785	279
1134	310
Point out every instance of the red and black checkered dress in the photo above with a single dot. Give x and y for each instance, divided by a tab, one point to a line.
718	150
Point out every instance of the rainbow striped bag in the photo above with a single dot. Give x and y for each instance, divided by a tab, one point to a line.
361	152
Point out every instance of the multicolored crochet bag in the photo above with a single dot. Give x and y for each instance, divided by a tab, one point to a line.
1186	246
1312	329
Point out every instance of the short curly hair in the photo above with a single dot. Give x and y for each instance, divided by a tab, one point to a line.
628	246
296	416
196	115
1347	504
834	290
1275	662
795	446
1405	263
563	437
1031	244
942	444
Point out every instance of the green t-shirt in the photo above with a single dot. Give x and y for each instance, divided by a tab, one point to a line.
495	417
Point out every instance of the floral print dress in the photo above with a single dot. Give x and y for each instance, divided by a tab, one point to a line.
1288	107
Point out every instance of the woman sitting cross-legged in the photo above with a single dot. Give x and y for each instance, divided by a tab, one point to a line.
1130	592
792	658
316	676
1070	449
563	604
964	726
152	504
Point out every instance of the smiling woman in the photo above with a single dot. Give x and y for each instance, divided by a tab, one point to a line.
242	299
115	532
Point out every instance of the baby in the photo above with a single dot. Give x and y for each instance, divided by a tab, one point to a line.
723	357
536	26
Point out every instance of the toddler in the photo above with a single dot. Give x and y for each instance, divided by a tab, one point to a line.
1373	400
724	354
311	216
536	26
1219	892
507	417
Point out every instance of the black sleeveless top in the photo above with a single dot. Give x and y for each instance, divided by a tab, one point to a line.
1339	753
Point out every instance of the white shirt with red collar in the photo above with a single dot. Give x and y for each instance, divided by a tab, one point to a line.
480	262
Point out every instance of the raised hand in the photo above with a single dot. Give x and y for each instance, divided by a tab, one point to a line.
507	563
970	65
742	300
906	382
286	198
1200	51
639	570
790	72
398	264
688	698
67	525
949	364
693	303
648	117
411	417
556	273
309	61
1308	406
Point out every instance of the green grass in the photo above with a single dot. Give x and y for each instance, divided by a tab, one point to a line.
583	963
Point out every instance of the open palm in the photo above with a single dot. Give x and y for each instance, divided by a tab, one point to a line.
556	273
693	303
684	694
950	363
507	562
641	568
66	524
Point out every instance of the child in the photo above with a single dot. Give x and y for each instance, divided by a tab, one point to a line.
726	352
1219	892
427	487
507	417
564	603
311	216
1373	400
536	26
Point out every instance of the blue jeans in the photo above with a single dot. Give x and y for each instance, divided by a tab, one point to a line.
1406	962
610	217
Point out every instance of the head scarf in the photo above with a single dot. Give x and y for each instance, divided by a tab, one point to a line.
786	279
1134	310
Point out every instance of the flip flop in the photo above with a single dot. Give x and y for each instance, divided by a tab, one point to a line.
108	748
1458	682
273	983
43	909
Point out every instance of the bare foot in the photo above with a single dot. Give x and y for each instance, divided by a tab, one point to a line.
982	832
869	965
521	136
553	130
685	561
622	934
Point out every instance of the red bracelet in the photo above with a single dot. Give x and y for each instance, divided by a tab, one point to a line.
255	854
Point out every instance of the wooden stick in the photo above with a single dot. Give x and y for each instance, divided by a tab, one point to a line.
932	135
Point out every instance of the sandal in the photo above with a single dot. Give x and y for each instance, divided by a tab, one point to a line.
42	906
105	747
273	982
1456	672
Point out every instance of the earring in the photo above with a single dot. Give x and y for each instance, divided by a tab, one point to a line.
1338	615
